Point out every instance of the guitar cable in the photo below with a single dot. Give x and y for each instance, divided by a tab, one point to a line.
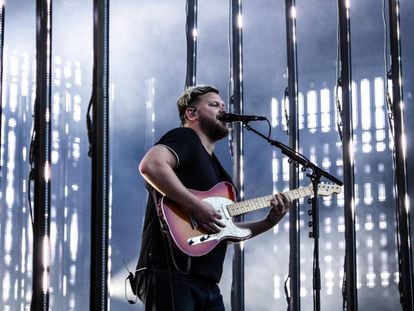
287	297
133	282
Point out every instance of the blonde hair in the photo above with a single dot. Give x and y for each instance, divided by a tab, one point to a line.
189	98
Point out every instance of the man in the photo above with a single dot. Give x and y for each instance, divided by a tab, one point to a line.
184	159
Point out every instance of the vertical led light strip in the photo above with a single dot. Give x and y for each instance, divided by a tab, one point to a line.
100	198
42	158
236	106
5	217
403	212
350	301
191	35
292	94
149	113
100	214
2	11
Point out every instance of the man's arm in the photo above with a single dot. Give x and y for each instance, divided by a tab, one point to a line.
280	205
157	167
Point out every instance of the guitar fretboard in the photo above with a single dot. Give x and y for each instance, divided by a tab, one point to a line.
250	205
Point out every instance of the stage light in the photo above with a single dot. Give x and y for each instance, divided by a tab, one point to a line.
74	237
5	292
365	104
194	33
368	199
312	110
47	171
327	226
11	164
301	110
407	202
276	287
341	224
240	21
325	110
326	163
383	223
303	289
274	111
355	100
45	261
381	192
285	169
275	171
241	170
293	17
403	145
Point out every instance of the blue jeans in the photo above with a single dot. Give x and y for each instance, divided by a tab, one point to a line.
179	292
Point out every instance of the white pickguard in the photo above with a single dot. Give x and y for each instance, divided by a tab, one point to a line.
230	231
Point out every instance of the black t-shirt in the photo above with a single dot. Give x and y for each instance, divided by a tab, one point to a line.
197	170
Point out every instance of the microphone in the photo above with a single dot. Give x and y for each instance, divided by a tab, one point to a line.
232	117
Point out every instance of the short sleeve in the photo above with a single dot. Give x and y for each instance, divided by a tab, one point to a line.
180	141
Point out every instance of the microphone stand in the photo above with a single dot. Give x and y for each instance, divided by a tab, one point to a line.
299	159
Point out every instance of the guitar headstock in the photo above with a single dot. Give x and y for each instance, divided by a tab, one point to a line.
328	189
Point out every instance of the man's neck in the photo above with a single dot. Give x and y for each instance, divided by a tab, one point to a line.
205	140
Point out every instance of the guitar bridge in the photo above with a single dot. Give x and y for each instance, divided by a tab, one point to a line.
201	239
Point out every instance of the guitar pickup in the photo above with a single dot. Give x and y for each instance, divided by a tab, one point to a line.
201	239
194	224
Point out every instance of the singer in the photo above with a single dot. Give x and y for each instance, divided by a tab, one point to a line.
166	277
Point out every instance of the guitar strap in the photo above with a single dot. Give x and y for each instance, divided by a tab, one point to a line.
168	245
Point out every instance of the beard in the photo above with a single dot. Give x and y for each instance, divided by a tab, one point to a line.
213	128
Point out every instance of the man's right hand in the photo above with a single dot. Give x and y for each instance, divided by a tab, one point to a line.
208	218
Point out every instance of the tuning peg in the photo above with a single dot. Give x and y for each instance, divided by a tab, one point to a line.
310	223
309	212
309	200
311	234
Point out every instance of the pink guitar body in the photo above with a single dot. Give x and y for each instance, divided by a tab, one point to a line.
195	242
184	231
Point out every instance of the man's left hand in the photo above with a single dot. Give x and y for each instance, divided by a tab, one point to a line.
280	205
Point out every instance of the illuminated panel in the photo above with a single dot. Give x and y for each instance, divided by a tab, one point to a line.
301	110
285	169
366	115
274	105
375	219
275	171
356	104
379	115
149	113
67	248
277	284
311	99
325	110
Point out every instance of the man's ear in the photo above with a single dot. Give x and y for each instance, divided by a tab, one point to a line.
191	114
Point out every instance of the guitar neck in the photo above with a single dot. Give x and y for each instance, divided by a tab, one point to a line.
251	205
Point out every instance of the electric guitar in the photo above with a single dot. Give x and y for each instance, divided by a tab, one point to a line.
195	242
